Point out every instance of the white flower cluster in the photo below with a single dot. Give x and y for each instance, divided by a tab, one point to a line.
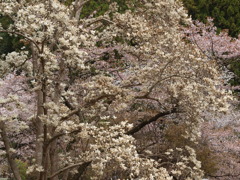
187	166
112	147
34	168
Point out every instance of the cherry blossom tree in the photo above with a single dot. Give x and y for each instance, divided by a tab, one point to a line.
214	45
80	108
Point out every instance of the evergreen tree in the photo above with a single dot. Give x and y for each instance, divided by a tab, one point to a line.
226	13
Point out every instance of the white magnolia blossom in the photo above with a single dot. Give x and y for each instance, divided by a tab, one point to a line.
80	104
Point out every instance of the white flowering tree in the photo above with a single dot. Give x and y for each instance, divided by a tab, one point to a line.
74	110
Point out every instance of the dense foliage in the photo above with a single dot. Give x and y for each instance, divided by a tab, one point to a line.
226	13
93	8
89	96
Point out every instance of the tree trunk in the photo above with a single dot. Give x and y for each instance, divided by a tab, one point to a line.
10	157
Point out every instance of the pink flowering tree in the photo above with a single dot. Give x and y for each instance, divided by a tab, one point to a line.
217	46
78	107
214	45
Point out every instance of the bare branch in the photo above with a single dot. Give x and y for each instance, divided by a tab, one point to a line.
152	119
67	103
60	135
84	165
73	112
92	102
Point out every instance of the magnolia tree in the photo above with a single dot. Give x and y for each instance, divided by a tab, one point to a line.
69	112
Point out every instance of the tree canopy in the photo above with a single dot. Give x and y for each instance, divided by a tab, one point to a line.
88	97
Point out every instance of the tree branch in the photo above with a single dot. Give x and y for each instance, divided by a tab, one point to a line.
81	170
75	111
67	103
78	8
104	20
152	119
20	34
195	42
225	175
59	135
83	165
